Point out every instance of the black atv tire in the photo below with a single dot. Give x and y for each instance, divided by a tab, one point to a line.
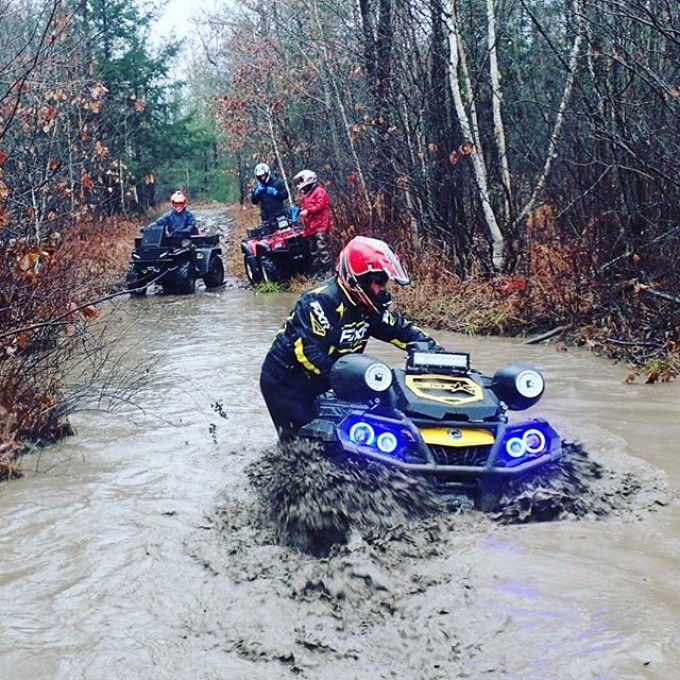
214	277
253	271
182	281
271	271
134	283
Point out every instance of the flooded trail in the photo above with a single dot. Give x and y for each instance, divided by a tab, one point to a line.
142	547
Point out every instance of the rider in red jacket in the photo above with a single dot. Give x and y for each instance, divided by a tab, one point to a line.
316	217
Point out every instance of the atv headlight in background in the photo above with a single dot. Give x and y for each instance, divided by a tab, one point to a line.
534	441
387	442
528	440
360	378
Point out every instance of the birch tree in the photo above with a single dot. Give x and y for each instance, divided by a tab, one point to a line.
461	86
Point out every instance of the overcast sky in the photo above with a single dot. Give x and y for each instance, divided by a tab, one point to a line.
176	17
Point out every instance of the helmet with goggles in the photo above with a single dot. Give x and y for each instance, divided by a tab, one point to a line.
178	200
365	261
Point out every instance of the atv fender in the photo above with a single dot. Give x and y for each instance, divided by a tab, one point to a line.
248	248
202	260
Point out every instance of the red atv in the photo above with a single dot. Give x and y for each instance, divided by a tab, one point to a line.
276	250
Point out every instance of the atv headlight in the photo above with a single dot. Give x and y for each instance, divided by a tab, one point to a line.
362	433
524	441
534	441
520	386
458	361
387	442
360	377
515	447
375	434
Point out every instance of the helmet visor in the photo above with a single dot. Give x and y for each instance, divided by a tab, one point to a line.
364	256
389	264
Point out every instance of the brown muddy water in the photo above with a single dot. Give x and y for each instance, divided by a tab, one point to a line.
144	546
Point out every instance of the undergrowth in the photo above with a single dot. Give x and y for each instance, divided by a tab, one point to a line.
48	302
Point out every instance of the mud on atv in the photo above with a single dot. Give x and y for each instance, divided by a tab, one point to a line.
438	419
174	263
275	251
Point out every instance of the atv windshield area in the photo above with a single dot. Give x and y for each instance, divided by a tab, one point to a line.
152	236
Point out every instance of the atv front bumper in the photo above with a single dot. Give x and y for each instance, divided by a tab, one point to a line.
455	452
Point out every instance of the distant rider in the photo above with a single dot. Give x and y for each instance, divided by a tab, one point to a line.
316	217
336	318
179	221
270	193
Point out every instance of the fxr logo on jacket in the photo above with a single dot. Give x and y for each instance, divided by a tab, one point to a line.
352	335
320	323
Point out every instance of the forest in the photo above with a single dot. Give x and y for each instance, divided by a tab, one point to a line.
522	155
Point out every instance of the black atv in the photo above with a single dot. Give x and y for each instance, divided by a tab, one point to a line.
173	262
275	251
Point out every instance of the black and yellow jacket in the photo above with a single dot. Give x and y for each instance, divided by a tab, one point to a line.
327	323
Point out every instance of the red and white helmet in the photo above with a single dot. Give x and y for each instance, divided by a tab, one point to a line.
365	259
305	180
178	200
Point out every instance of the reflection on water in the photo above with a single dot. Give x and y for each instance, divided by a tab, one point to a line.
98	580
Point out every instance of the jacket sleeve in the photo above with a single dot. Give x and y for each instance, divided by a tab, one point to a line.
312	324
190	223
254	198
318	202
280	187
163	220
394	328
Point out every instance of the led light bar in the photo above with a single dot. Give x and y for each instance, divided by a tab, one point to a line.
457	360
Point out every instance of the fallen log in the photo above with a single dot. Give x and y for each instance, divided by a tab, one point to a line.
546	336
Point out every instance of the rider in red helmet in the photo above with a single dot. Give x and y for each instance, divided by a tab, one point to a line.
336	318
365	266
179	221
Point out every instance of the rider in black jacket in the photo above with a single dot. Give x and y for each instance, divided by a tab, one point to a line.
270	193
336	318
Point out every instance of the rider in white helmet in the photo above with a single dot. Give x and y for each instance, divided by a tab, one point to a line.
270	193
316	217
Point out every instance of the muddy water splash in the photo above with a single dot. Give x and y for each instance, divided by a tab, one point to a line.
161	542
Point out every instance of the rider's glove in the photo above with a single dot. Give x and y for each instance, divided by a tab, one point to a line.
259	189
271	191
